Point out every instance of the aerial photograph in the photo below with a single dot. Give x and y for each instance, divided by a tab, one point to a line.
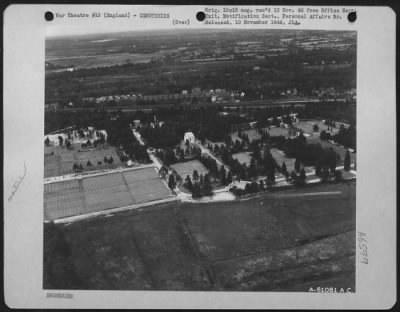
200	160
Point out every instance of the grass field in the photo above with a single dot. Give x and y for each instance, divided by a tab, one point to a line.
280	241
90	194
254	135
186	168
63	199
337	148
242	158
280	158
308	127
102	60
62	160
270	222
277	131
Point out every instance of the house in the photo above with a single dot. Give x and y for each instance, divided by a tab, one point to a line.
189	137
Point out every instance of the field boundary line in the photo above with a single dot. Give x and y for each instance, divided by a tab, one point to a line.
113	210
95	174
205	263
82	195
128	188
133	241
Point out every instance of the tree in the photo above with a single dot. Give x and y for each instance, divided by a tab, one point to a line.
293	176
261	185
318	170
47	141
271	176
80	167
195	175
163	172
325	135
347	161
188	183
196	191
187	151
105	159
248	188
61	140
302	175
110	160
284	169
68	144
207	187
222	173
88	164
229	177
315	128
297	165
338	176
253	168
171	182
201	179
324	174
332	157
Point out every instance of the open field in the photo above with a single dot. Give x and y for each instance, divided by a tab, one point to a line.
252	133
277	131
186	168
280	241
63	199
242	157
90	194
62	160
308	127
280	157
267	223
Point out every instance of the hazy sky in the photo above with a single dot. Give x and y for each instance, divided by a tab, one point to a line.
62	30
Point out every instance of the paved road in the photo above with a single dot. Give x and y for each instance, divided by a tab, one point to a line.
153	158
75	176
114	210
205	150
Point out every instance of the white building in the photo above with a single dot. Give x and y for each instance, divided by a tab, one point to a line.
189	136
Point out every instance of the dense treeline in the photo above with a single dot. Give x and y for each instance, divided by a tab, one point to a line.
204	123
117	126
170	76
310	154
208	123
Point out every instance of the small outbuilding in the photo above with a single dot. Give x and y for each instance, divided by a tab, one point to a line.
189	137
